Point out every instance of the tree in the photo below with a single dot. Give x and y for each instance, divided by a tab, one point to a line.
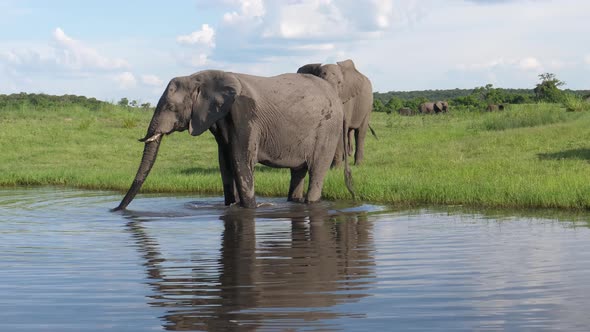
133	103
146	106
548	89
123	102
378	106
393	105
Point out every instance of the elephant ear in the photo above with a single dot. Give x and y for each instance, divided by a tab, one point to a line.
312	68
213	97
354	82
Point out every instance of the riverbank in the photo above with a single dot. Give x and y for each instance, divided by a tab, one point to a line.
529	156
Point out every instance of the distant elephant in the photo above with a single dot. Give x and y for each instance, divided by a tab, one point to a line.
289	121
441	107
495	107
356	92
426	108
405	111
434	108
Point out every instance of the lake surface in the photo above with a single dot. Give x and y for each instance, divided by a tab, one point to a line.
189	263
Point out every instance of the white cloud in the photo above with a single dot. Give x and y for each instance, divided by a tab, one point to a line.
73	54
315	47
126	80
205	36
530	63
64	54
151	80
249	9
587	59
384	10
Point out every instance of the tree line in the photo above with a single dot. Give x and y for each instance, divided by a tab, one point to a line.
547	90
45	101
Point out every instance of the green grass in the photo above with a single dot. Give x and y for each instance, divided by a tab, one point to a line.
528	156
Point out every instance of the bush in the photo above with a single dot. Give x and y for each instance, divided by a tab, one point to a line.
575	103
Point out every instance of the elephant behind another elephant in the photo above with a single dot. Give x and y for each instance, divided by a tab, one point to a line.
356	93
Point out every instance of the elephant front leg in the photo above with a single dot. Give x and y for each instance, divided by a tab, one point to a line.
296	186
243	163
227	175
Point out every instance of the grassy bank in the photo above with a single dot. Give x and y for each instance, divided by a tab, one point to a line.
529	156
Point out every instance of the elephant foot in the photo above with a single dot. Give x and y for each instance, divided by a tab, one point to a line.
296	200
250	204
312	202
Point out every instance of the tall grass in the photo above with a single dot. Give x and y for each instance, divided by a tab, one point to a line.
526	115
575	103
529	156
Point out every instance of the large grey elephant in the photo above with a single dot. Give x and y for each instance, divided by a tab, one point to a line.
434	107
289	121
356	92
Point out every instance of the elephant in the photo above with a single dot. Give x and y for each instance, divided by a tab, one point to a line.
495	107
356	92
286	121
437	107
426	108
405	111
442	106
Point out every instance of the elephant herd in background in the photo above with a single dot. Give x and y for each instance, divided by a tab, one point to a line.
426	108
301	121
442	107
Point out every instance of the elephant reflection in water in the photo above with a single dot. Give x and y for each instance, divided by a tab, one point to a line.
323	261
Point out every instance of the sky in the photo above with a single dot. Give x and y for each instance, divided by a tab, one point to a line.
131	48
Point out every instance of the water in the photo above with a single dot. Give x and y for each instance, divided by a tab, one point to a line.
189	263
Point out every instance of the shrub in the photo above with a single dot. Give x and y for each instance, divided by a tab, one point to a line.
574	103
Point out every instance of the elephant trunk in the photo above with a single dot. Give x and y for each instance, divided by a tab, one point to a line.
150	152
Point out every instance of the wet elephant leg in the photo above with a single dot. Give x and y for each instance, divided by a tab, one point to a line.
225	167
297	183
243	162
220	133
317	172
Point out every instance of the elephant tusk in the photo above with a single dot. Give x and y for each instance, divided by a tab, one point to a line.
151	139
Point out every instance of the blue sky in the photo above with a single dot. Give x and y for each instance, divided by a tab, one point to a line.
112	49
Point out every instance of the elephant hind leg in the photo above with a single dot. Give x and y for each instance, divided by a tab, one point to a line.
297	183
360	135
318	169
351	134
339	154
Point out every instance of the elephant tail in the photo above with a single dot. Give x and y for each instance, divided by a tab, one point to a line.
347	172
373	132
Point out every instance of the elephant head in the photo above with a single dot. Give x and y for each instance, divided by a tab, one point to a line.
330	72
193	102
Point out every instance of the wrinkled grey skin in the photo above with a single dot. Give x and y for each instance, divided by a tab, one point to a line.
356	92
432	108
405	111
288	121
